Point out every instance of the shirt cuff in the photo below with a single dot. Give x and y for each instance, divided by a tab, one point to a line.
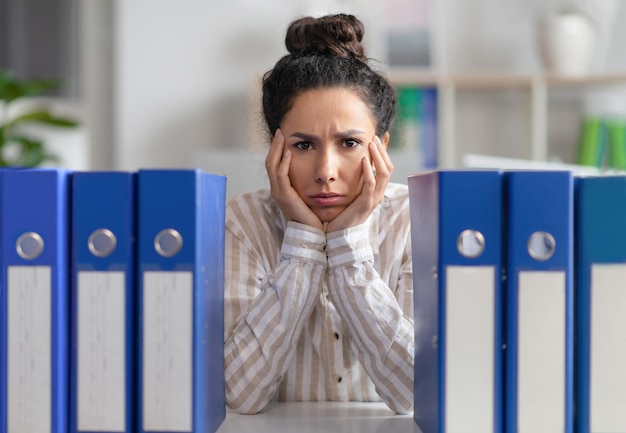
349	246
302	242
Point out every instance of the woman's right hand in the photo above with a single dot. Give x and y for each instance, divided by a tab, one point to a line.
290	203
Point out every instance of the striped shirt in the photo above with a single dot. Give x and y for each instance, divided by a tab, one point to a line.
313	316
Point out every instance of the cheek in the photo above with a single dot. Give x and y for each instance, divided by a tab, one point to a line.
298	173
353	171
355	179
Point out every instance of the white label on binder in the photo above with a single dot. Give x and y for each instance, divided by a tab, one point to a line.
167	351
101	351
469	346
607	357
29	356
541	352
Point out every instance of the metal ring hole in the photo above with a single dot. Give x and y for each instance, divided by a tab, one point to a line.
102	242
470	243
541	245
168	242
29	245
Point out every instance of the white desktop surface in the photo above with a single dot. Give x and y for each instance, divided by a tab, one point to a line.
320	417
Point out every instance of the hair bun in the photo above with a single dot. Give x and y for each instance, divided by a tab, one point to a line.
339	35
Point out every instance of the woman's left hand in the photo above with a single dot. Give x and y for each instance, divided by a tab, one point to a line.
375	180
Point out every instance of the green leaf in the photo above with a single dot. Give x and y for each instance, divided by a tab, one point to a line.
12	88
19	150
42	116
31	153
27	143
31	159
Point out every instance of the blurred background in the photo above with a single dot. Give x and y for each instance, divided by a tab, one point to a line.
164	83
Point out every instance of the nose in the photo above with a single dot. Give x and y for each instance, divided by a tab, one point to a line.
326	166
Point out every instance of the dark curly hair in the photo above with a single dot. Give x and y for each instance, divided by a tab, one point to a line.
326	52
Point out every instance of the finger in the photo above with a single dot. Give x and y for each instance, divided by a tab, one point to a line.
383	173
282	175
369	179
274	157
274	154
378	163
384	161
383	152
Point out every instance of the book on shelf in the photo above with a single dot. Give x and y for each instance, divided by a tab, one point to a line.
602	143
415	126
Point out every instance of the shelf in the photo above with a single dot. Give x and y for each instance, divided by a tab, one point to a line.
413	76
537	85
496	80
610	78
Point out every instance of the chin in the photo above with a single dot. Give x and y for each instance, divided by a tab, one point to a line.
327	215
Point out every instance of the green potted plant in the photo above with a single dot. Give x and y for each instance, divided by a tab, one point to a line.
18	147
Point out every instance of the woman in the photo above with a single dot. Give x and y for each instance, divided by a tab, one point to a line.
318	296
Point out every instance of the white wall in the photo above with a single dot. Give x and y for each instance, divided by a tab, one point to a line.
491	35
184	72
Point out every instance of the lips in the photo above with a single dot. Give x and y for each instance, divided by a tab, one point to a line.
327	199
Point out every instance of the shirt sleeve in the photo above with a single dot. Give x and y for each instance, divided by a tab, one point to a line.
380	320
273	307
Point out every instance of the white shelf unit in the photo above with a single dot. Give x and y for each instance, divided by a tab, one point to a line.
536	85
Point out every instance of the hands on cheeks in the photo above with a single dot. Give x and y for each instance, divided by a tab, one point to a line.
290	203
376	175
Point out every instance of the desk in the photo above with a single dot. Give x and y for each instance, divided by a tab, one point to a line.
320	417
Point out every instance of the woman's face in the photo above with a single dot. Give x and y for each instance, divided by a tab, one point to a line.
328	132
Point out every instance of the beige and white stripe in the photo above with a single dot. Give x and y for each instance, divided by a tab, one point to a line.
313	316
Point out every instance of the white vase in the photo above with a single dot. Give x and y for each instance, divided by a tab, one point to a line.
567	43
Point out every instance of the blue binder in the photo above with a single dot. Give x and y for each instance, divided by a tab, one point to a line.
3	327
103	302
600	259
181	300
539	311
34	342
456	235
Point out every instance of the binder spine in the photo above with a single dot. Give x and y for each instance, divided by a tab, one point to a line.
210	404
34	223
103	302
539	207
456	230
3	321
473	205
180	239
600	269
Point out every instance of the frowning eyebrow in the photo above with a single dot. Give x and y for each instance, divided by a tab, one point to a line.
303	136
342	134
349	133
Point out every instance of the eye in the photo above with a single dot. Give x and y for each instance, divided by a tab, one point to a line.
303	145
350	143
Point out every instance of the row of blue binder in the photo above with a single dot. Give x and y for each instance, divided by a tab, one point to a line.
111	301
520	301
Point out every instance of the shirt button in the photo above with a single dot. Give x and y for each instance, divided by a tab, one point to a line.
336	336
339	379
